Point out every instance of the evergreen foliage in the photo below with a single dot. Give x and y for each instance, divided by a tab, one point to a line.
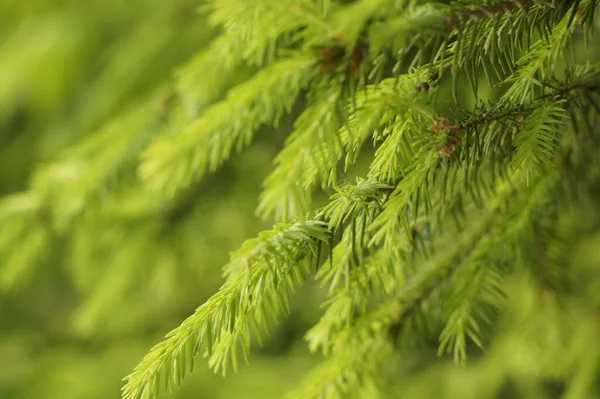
470	231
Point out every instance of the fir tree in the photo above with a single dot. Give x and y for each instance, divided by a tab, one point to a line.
471	224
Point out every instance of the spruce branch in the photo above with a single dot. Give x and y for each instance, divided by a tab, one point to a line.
357	274
206	76
351	210
459	31
351	20
510	202
254	30
561	92
396	154
259	278
359	349
415	183
533	66
174	162
417	22
310	155
380	104
365	334
379	275
476	296
476	12
476	135
536	144
314	148
343	305
349	370
253	33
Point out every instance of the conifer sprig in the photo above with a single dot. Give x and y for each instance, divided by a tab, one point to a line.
359	347
255	30
174	162
259	279
310	156
380	104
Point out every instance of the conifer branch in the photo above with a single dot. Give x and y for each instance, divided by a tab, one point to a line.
542	121
206	76
174	162
474	297
254	30
416	182
260	277
351	343
378	275
461	25
310	155
349	370
314	148
476	12
368	273
343	305
532	66
382	103
536	144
